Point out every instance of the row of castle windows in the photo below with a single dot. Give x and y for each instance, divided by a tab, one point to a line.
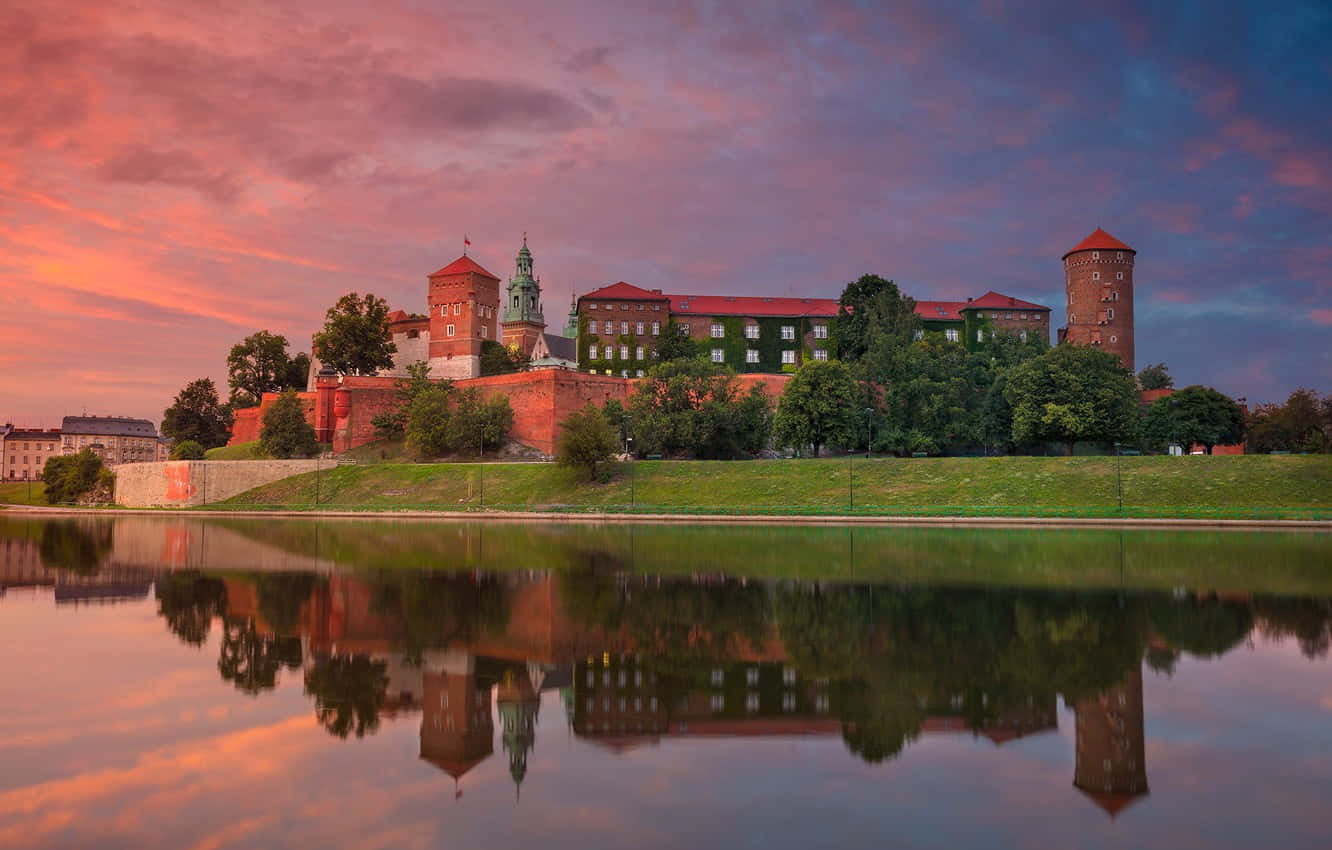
486	312
1113	296
954	335
450	330
593	306
592	326
1097	275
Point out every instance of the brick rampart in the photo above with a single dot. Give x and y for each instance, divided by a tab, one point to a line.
185	483
249	421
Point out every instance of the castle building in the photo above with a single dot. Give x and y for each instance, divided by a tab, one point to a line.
26	451
1098	279
621	325
117	439
523	320
463	301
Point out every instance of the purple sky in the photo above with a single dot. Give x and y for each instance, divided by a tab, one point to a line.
174	178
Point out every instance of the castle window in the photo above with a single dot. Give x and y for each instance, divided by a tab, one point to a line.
592	326
592	306
919	335
656	307
980	336
994	315
484	332
820	331
1096	275
1110	313
656	328
820	354
1114	296
684	330
1096	255
591	352
788	357
1119	275
449	330
638	328
638	373
413	334
1008	315
1119	255
717	331
457	309
638	355
788	332
751	355
951	334
717	355
624	306
1072	319
751	331
624	352
1114	339
624	327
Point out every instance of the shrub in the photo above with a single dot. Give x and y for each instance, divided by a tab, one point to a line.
586	439
286	433
187	450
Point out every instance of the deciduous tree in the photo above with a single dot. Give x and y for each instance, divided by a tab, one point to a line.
1196	414
817	407
1072	393
197	415
586	440
356	339
259	364
1155	377
286	433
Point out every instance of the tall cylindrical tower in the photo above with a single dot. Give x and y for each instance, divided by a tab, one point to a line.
1098	279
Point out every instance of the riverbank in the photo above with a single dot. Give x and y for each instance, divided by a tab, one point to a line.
1211	488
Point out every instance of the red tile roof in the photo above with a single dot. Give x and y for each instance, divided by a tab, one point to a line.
752	305
462	265
1099	240
994	301
626	291
940	310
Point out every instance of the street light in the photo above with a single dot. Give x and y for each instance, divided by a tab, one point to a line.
869	418
851	476
480	459
629	450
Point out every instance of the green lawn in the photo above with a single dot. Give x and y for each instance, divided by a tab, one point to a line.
240	451
1153	485
16	493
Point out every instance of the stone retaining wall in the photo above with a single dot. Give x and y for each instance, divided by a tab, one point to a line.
186	483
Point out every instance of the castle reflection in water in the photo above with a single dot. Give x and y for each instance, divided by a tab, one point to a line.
637	660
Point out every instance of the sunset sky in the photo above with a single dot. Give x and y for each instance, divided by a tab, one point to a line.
175	176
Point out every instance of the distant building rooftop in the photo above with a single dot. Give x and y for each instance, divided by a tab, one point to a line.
108	426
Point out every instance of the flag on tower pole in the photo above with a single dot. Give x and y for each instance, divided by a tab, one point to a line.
466	242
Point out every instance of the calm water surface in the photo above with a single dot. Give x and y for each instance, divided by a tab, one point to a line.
172	683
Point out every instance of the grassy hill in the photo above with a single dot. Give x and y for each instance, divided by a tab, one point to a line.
1152	486
17	493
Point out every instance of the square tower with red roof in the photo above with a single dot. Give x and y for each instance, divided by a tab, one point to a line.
464	312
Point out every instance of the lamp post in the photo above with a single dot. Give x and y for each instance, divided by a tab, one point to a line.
1174	427
629	450
851	476
480	459
869	420
1119	481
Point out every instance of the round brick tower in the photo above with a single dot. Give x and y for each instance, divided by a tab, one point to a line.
1098	279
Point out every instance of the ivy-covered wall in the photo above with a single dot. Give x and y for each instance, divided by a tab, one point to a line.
733	343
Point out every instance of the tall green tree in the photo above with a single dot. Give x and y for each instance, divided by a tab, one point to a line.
586	440
427	426
392	424
286	433
1072	393
71	478
1302	424
1155	377
675	344
872	311
694	408
259	364
1196	414
817	407
196	414
356	339
497	359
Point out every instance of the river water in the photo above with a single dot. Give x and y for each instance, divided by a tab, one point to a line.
279	683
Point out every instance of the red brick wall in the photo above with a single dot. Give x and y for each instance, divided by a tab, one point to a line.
1090	301
250	420
472	292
